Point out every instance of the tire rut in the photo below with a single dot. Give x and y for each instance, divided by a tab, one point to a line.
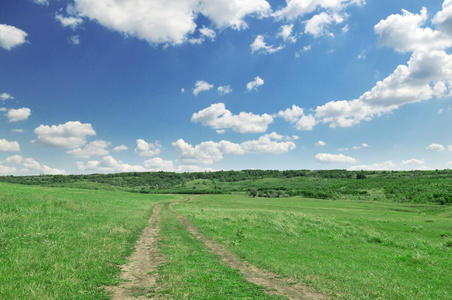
267	279
139	275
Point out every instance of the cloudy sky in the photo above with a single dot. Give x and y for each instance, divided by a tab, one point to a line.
190	85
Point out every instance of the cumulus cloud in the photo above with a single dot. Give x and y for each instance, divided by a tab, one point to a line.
108	164
318	24
71	22
404	33
269	143
218	117
95	148
300	8
208	152
205	33
201	86
286	33
260	46
253	85
169	22
15	115
295	115
74	39
6	96
230	13
9	146
334	158
158	164
157	22
147	149
320	143
69	135
223	90
41	2
10	164
205	153
436	147
120	148
411	164
11	36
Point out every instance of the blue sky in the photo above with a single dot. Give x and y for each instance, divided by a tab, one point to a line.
116	86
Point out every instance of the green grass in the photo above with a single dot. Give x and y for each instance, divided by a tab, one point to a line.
66	243
348	249
191	272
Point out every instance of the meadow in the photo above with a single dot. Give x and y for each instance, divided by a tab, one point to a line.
388	236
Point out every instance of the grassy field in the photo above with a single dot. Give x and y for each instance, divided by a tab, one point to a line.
348	249
66	243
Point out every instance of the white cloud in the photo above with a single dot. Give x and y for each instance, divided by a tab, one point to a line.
72	22
205	33
208	152
318	24
120	148
260	46
169	22
300	8
413	161
218	117
320	143
334	158
404	33
201	86
205	153
11	36
230	13
386	166
147	149
74	39
253	85
286	33
158	164
295	115
157	22
443	19
18	130
7	170
9	146
108	164
269	143
418	81
69	135
13	160
436	147
449	148
6	96
223	90
15	115
41	2
95	148
30	163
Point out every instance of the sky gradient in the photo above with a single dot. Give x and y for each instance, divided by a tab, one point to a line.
194	85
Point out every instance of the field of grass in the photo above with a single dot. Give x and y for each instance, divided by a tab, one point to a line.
66	243
348	249
192	272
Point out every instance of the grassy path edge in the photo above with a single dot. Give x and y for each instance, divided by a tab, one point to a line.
269	280
139	275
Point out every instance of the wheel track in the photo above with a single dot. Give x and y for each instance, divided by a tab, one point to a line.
269	280
139	275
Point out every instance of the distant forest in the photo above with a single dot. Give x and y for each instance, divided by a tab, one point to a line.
402	186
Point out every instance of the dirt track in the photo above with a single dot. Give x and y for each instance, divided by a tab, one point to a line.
139	275
275	286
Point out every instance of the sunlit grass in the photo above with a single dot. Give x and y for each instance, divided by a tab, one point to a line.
348	249
66	243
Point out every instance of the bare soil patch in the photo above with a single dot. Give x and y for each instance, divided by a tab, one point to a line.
269	280
139	275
